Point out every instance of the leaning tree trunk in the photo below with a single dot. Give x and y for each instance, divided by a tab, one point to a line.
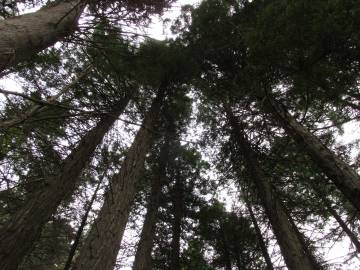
102	244
178	194
343	176
269	265
18	236
143	252
353	238
290	246
303	240
24	36
81	228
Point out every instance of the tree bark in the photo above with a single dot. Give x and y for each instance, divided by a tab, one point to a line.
178	195
269	265
302	240
24	36
81	228
143	253
290	246
342	175
18	236
103	241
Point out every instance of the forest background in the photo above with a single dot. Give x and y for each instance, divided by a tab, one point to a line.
37	140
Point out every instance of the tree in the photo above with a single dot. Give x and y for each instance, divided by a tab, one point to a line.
25	35
103	241
293	250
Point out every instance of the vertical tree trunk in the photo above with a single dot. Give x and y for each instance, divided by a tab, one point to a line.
81	228
25	35
227	256
103	241
269	265
343	176
178	196
18	236
291	247
143	253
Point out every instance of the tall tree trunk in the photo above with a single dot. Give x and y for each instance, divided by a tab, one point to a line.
342	175
269	265
303	241
227	256
291	247
81	228
18	236
353	238
103	241
25	35
143	253
178	197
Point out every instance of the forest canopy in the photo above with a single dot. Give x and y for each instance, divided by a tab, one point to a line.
224	147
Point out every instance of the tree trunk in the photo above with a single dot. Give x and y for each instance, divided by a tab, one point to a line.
24	36
343	176
102	244
81	228
269	265
290	246
18	236
353	238
303	241
227	256
178	195
143	253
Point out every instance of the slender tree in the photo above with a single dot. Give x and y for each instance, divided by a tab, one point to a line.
177	204
353	238
264	250
81	228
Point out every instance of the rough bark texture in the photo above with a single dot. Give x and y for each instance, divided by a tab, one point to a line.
103	241
176	226
25	35
18	236
342	175
269	265
143	252
290	246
